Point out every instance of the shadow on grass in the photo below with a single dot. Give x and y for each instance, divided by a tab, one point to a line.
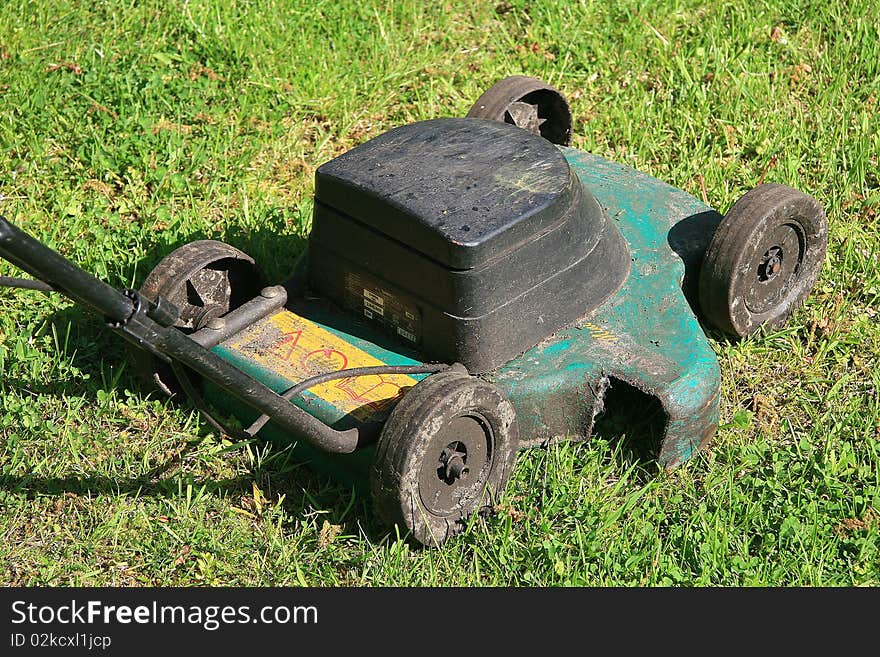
274	246
345	506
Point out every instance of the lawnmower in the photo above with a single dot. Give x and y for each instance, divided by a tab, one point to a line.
471	287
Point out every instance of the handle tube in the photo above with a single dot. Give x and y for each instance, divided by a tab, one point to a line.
51	267
128	314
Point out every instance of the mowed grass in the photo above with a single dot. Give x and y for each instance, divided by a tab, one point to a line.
129	128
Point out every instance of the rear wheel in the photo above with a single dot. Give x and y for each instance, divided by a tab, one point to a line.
205	280
527	103
445	452
763	260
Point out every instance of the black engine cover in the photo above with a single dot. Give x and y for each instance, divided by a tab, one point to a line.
468	239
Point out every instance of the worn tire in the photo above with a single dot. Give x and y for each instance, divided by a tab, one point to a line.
410	480
763	260
170	278
523	101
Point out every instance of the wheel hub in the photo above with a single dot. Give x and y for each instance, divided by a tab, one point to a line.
524	115
771	264
456	464
453	463
207	295
777	268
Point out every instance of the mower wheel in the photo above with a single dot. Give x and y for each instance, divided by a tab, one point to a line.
205	280
445	452
763	260
527	103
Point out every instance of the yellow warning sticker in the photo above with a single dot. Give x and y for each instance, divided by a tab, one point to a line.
599	333
296	348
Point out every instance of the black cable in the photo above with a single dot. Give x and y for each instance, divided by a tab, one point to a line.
198	401
318	379
25	284
354	372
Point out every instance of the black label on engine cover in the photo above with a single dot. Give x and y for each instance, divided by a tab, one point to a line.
377	303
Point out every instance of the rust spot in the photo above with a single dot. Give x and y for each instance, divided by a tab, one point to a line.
73	67
197	71
165	124
706	437
849	525
97	107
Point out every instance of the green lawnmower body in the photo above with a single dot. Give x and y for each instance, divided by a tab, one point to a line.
645	335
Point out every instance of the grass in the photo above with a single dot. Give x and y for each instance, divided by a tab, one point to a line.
129	128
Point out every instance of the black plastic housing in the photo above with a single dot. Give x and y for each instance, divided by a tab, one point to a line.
468	239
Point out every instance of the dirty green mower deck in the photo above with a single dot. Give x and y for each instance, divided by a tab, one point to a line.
646	335
471	287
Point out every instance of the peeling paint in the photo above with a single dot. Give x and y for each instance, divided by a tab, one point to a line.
646	334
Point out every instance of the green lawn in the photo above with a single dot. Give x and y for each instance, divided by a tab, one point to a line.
128	128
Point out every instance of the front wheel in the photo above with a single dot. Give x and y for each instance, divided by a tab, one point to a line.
446	452
763	260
